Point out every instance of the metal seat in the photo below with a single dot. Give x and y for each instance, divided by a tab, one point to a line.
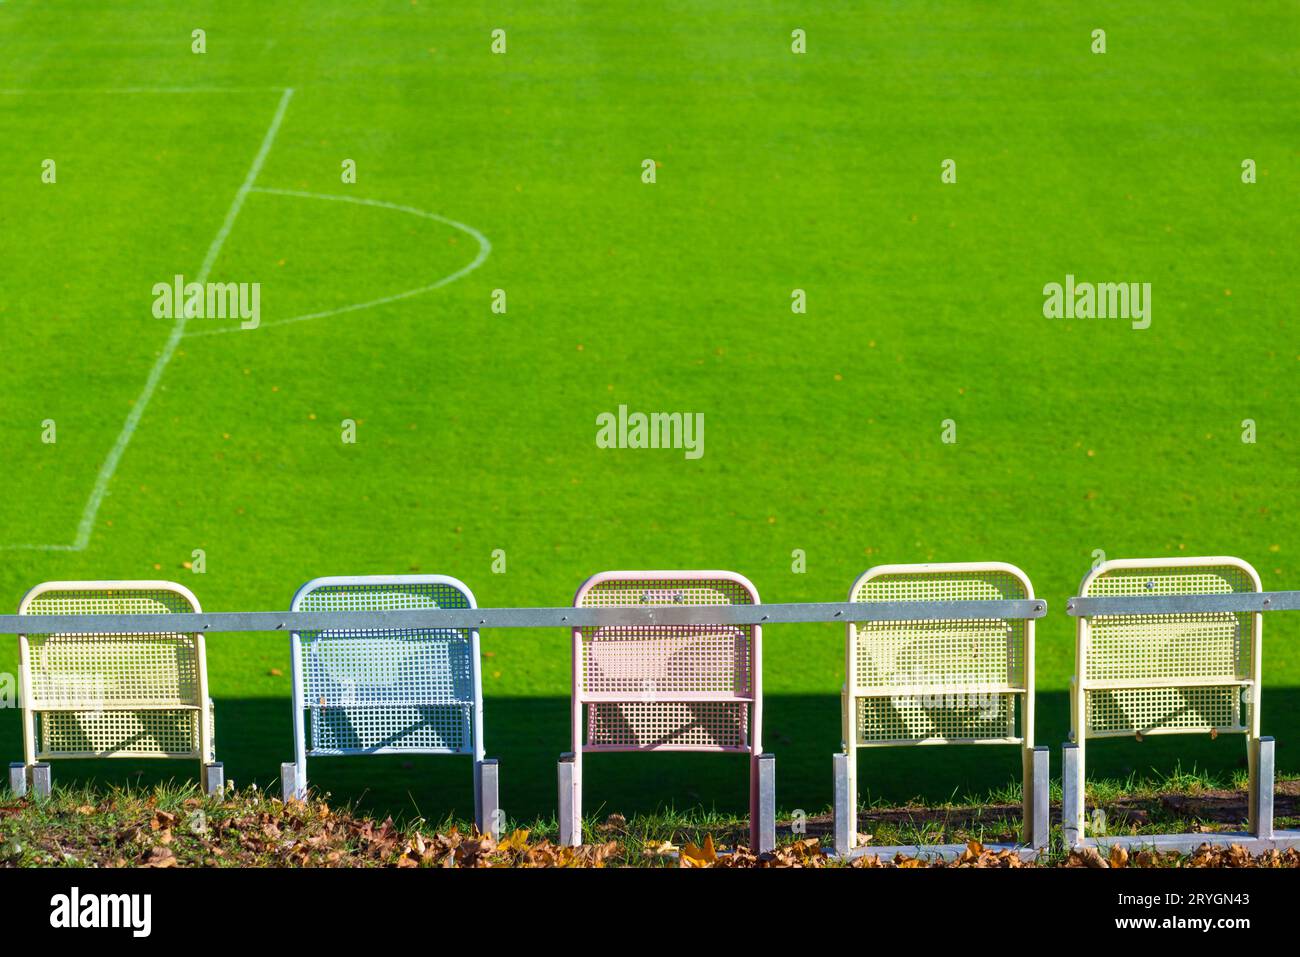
939	681
386	691
694	687
138	695
1184	672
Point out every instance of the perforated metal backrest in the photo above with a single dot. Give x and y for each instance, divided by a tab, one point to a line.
667	687
1163	674
114	695
936	681
373	691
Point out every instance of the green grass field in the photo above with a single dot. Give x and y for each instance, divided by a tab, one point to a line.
475	430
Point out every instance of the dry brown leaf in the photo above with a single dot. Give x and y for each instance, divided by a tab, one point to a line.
158	857
615	822
1085	857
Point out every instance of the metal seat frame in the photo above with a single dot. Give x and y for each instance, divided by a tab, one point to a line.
58	597
643	654
985	647
1182	700
363	593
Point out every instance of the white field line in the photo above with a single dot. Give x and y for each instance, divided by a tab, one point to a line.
116	90
106	471
484	250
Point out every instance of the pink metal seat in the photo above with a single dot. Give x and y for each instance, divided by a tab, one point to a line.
690	687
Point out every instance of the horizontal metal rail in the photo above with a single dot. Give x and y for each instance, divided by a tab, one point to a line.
1243	601
424	619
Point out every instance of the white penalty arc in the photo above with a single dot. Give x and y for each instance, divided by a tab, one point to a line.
484	250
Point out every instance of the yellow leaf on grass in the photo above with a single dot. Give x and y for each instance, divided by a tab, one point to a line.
516	840
702	856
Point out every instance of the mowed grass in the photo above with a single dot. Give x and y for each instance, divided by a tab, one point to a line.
476	431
